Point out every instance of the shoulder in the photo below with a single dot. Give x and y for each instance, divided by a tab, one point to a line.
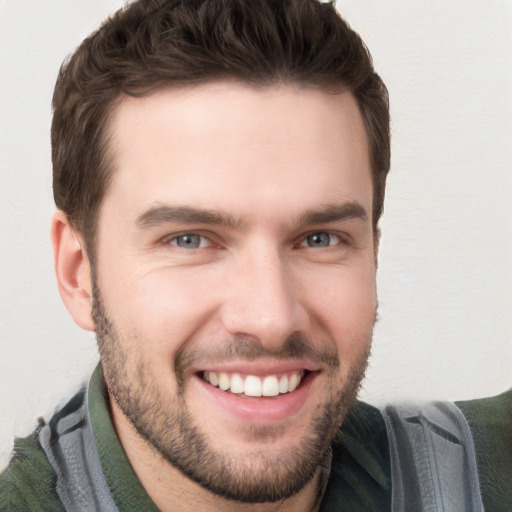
28	482
490	421
360	471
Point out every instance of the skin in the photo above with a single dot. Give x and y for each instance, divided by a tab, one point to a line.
272	167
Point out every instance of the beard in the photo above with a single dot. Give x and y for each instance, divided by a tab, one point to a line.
165	422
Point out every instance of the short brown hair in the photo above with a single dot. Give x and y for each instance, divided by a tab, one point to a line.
152	44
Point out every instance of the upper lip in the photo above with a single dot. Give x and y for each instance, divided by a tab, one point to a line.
260	367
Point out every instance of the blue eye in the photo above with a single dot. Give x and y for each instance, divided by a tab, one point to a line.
320	239
189	241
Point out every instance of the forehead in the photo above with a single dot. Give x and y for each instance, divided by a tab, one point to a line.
225	143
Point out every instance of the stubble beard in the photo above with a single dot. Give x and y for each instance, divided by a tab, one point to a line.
166	424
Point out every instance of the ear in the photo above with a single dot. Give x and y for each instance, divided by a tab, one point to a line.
72	270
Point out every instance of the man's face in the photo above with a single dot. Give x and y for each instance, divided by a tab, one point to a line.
235	279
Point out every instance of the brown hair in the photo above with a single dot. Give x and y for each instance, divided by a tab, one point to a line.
159	43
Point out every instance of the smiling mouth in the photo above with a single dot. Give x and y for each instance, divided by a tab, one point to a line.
253	385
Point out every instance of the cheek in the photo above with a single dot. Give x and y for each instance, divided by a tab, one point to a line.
346	306
163	309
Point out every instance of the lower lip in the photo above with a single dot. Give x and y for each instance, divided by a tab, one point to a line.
260	410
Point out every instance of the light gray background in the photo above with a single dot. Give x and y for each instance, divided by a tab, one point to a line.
445	275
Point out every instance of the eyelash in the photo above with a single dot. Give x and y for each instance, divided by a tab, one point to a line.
331	236
201	245
338	238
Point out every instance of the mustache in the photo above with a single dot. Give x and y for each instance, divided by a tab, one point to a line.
296	346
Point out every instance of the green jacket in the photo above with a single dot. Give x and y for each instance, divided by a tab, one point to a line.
360	472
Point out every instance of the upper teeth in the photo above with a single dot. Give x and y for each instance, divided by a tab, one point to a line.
251	385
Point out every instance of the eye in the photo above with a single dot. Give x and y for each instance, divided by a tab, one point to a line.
321	239
190	241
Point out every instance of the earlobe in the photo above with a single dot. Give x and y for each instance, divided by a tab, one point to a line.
72	270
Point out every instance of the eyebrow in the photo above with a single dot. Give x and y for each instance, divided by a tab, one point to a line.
333	213
162	214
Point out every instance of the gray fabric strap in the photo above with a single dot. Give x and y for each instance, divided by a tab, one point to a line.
433	463
68	442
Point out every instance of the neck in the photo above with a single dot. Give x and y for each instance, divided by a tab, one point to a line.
170	490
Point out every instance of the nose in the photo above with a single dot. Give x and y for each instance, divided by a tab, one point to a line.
262	300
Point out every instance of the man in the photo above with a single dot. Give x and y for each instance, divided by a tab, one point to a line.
219	170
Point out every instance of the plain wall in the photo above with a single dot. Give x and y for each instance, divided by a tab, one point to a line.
445	275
